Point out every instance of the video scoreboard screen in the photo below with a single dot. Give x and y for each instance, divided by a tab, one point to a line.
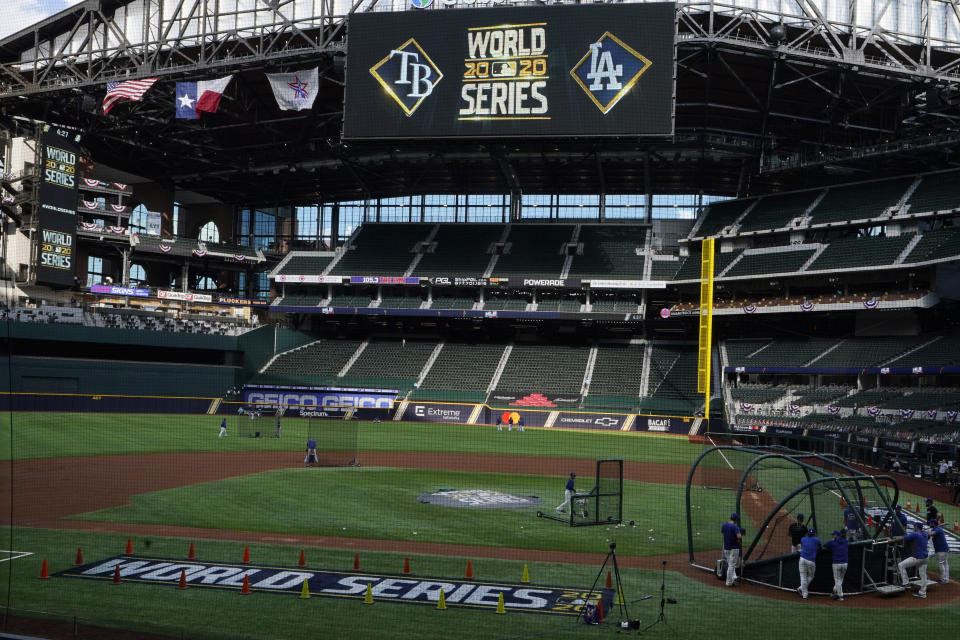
561	71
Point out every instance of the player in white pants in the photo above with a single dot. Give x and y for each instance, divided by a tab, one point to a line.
808	561
567	493
839	547
941	549
732	539
918	559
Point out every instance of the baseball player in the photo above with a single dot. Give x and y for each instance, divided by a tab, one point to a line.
918	559
796	532
568	493
852	524
732	537
311	457
898	527
223	428
839	547
932	512
520	424
941	548
278	426
499	424
808	561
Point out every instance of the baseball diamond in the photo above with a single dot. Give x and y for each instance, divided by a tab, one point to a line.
486	319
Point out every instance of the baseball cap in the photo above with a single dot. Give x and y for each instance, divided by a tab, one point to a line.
918	525
573	474
933	522
929	500
898	508
836	532
734	516
812	532
799	516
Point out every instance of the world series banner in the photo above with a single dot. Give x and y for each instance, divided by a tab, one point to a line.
599	70
58	204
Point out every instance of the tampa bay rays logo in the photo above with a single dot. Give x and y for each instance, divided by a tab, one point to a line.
609	70
408	75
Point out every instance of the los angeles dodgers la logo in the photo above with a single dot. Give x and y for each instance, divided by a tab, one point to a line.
608	71
408	75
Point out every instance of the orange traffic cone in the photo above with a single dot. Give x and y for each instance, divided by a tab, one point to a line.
44	571
79	559
956	526
129	550
356	562
908	505
246	554
245	589
869	520
116	575
183	579
609	581
843	503
406	565
918	506
302	562
190	553
469	574
599	610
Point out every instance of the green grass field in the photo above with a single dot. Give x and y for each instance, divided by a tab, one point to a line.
380	503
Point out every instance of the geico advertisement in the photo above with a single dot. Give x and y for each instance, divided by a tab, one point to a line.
520	71
321	399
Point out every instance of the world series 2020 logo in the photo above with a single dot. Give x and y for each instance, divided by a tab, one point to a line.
609	70
408	75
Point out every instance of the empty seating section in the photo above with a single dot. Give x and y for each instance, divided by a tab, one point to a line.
786	261
936	192
942	352
301	301
382	250
664	269
461	250
859	201
672	383
721	214
820	396
615	381
690	269
301	265
863	352
390	363
614	305
444	302
867	398
936	245
941	400
739	350
536	250
609	252
350	301
498	303
569	305
544	369
308	364
783	353
757	395
460	372
400	302
860	252
775	212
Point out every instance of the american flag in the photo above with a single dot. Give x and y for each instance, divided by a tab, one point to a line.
128	90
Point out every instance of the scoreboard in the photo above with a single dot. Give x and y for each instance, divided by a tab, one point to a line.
559	71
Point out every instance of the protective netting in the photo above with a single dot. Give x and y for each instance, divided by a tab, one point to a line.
337	440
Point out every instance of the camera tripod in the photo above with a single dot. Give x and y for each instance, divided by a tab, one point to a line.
663	601
612	559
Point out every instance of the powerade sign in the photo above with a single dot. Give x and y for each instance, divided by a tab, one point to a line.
308	401
458	593
435	412
601	70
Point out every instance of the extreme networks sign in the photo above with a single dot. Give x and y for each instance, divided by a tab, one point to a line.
436	412
458	593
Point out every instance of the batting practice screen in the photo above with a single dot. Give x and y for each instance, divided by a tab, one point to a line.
605	70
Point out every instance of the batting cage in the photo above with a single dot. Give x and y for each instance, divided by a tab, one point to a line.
603	504
337	441
770	489
258	423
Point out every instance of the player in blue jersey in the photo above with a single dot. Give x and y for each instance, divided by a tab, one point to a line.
852	524
732	537
941	548
568	493
223	428
808	561
918	559
839	547
311	457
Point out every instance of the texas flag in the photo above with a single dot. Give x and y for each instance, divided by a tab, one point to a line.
194	97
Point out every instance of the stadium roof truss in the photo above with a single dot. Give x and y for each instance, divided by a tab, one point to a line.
765	88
